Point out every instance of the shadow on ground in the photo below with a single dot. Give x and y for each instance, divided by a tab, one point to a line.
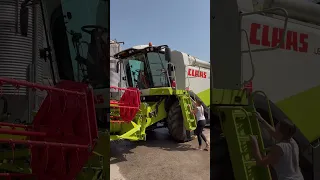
158	138
160	158
119	150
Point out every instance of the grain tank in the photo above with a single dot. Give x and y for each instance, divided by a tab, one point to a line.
19	57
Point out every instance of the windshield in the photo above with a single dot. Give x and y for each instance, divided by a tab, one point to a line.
146	70
80	39
158	69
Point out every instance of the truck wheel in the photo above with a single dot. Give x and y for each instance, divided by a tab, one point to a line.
175	123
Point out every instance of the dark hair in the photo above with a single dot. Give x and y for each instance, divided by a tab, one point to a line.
287	129
198	101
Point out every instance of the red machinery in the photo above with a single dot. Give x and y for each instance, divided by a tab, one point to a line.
64	131
127	106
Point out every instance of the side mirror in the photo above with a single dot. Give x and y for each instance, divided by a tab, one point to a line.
167	54
24	20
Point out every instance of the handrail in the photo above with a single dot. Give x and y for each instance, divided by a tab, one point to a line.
251	60
268	102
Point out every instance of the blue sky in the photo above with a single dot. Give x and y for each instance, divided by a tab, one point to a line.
181	24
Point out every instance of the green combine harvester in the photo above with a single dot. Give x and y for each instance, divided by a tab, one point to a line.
161	101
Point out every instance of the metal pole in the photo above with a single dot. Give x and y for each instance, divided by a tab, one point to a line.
225	45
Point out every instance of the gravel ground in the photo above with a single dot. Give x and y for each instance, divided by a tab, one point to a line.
159	158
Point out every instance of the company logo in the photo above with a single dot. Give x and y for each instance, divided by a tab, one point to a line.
271	37
197	73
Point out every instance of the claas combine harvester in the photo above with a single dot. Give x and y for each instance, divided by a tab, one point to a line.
149	70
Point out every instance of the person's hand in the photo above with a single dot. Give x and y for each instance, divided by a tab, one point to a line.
255	147
258	115
253	139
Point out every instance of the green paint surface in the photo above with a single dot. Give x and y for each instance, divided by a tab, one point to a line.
205	96
302	109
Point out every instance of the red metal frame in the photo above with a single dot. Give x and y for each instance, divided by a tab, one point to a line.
128	105
63	132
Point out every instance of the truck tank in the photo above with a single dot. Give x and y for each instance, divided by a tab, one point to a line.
191	72
115	77
15	50
17	57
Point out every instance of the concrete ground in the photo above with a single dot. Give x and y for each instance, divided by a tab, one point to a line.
159	158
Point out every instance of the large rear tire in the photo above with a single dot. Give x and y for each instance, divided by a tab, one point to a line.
175	123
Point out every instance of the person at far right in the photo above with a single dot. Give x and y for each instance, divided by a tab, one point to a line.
284	155
198	111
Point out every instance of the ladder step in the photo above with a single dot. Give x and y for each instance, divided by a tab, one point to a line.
240	115
243	125
189	118
250	163
245	138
